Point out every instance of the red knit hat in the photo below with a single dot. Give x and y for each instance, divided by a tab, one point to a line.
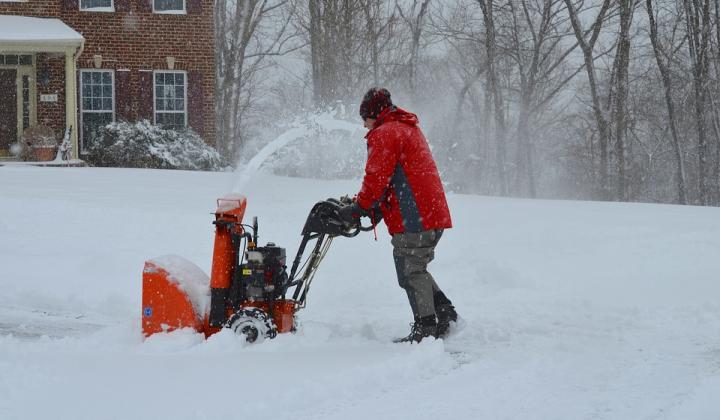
374	102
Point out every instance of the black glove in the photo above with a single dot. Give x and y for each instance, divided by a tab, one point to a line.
375	214
350	214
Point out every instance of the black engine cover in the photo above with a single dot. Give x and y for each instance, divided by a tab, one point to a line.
262	277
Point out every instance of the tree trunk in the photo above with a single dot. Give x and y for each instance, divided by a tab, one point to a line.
416	28
497	98
667	85
600	120
623	60
697	14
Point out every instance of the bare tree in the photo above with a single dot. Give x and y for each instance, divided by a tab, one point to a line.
414	17
335	30
537	30
714	109
243	46
380	24
492	76
697	17
468	121
621	65
663	57
494	94
587	45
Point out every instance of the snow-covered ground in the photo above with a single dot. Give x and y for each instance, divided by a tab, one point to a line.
572	310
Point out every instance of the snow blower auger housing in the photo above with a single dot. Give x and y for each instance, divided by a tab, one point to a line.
249	285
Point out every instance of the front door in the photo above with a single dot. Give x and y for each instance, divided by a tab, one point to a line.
8	109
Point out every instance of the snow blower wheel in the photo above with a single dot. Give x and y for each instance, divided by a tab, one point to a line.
253	323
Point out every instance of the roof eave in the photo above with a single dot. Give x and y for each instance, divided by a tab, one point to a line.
56	45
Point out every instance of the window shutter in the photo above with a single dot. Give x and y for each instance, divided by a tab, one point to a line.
196	97
71	4
194	7
145	6
122	5
145	107
123	105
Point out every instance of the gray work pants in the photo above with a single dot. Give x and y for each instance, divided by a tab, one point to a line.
412	252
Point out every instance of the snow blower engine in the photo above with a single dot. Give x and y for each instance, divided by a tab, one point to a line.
249	290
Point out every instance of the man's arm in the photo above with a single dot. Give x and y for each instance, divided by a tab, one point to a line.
383	155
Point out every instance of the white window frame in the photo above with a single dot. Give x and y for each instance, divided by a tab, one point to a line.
171	12
185	102
97	9
83	111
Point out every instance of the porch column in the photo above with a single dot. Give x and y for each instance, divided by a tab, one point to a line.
71	117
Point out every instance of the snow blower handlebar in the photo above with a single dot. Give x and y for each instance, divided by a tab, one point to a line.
323	224
324	218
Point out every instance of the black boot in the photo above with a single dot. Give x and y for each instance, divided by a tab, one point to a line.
445	313
423	327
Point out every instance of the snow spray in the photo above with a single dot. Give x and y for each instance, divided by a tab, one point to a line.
325	121
265	153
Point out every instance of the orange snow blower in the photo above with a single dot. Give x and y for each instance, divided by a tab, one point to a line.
249	285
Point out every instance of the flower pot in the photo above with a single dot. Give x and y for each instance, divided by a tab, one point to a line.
45	153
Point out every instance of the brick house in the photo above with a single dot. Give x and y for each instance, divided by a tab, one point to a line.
128	60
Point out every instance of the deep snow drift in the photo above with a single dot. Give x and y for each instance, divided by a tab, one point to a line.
573	310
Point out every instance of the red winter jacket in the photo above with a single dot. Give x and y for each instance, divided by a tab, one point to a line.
401	174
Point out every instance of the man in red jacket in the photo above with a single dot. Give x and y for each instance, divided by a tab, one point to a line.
402	180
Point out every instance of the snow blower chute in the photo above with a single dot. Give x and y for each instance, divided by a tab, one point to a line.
249	289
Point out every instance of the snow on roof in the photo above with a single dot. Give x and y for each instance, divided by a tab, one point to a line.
32	30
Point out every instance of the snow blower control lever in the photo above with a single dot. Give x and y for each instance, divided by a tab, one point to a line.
249	284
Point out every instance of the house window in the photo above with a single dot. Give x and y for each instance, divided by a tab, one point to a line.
169	6
97	5
170	99
15	59
97	104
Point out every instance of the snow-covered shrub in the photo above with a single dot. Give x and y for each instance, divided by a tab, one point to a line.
145	145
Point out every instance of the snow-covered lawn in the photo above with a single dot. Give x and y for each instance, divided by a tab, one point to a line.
572	310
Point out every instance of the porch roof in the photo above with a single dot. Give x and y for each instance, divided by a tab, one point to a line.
23	33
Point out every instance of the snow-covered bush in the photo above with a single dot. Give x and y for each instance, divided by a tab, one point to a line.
145	145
